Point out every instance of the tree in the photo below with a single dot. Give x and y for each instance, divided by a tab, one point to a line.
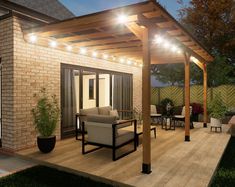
172	74
213	24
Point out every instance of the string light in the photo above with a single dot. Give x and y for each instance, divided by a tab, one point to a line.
158	39
33	38
129	62
166	44
69	48
105	56
53	44
83	51
122	19
94	54
121	60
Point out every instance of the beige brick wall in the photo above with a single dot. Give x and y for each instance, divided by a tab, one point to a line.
6	53
35	67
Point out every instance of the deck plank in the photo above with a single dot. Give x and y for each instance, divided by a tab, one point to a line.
174	162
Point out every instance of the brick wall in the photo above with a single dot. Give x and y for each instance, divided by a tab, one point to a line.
35	67
6	53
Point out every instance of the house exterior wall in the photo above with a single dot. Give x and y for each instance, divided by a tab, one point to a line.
29	67
6	54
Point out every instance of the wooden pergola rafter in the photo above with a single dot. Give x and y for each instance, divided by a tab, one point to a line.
134	39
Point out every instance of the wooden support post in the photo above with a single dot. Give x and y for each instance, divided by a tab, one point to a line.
146	166
204	96
187	97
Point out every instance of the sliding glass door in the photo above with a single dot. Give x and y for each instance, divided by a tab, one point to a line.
83	88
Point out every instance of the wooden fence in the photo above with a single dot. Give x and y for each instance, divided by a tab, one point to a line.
176	94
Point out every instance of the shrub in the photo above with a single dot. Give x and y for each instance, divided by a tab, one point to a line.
216	107
46	113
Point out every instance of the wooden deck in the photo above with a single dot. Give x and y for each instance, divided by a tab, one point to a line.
174	162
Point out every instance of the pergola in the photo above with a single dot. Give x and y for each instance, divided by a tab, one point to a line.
142	34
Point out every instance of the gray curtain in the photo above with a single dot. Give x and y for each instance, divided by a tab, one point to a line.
68	101
122	94
117	92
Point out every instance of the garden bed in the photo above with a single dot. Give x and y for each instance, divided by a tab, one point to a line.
225	174
42	176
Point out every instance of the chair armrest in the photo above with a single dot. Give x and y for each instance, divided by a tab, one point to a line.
123	113
129	111
80	115
122	123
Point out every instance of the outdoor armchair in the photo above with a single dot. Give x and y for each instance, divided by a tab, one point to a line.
106	131
154	114
181	117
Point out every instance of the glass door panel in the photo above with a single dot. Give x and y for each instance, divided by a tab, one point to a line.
104	90
89	89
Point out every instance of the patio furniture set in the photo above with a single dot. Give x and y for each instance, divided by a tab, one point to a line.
169	121
102	127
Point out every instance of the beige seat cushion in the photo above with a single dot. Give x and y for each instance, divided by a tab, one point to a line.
124	136
179	116
114	113
156	115
124	124
104	110
89	111
107	119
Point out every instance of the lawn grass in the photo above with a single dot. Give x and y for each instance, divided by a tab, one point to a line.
42	176
225	174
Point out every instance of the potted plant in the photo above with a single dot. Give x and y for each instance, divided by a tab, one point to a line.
217	110
167	106
46	114
196	110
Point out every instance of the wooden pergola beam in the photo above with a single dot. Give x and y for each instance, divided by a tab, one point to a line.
187	96
146	166
204	95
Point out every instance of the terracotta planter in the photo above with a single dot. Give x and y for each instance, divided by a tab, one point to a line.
46	144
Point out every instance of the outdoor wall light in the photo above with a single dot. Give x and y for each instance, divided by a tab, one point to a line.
33	38
122	19
83	51
53	44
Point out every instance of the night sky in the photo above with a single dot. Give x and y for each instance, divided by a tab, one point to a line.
82	7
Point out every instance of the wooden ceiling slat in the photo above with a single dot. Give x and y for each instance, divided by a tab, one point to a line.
119	45
105	41
102	32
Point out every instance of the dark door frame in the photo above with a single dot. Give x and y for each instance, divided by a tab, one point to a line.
1	101
97	72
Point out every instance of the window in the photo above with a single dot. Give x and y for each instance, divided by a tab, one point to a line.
91	88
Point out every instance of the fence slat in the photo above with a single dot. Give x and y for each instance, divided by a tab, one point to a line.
176	94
